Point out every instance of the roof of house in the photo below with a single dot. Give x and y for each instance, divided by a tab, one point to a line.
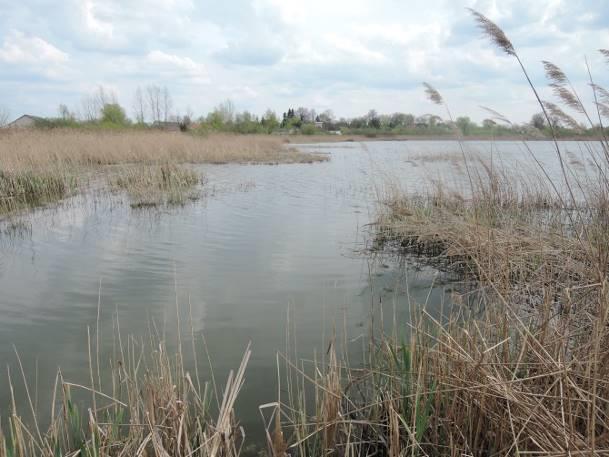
31	116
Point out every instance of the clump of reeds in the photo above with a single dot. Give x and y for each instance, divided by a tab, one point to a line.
525	370
152	185
150	406
29	188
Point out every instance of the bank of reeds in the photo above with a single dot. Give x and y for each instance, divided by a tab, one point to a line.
523	372
40	166
78	148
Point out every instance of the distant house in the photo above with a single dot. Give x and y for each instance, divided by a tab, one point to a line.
319	124
25	121
167	126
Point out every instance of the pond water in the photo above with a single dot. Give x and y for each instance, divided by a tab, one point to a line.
264	240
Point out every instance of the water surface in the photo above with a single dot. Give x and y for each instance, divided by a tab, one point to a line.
265	242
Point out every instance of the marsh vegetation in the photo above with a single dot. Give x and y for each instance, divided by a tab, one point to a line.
516	365
44	166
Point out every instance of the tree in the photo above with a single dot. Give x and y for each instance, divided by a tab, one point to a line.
153	98
92	105
113	113
167	104
373	119
326	116
488	123
464	124
226	111
64	113
270	121
538	121
139	106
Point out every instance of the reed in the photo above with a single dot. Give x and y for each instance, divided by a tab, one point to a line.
154	185
148	404
26	188
78	148
519	364
43	166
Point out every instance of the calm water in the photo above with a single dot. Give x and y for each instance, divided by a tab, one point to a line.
264	240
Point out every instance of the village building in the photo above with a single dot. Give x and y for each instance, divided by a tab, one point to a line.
25	121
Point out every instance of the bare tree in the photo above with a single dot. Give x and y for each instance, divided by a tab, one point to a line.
167	104
89	108
153	95
65	113
139	106
226	111
4	116
92	105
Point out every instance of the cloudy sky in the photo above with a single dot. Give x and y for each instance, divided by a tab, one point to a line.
348	56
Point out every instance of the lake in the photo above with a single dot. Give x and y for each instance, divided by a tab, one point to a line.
266	249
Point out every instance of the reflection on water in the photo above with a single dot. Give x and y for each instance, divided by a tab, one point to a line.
266	240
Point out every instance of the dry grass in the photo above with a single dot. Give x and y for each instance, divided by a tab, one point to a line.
42	148
42	166
153	185
525	371
147	405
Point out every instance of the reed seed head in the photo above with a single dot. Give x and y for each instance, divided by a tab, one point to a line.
494	32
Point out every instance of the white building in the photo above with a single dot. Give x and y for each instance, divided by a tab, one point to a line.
25	121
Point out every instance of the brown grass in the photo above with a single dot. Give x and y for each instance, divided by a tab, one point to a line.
520	366
41	148
43	166
143	403
153	185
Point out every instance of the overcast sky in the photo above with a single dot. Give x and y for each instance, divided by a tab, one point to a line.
348	56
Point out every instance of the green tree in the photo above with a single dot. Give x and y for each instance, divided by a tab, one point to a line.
113	113
538	121
270	120
465	124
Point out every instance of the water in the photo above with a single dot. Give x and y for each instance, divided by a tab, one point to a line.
265	240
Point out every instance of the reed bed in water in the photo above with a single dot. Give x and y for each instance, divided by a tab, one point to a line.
153	185
143	403
42	166
41	148
526	370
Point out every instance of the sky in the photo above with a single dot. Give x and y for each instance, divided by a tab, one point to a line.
347	56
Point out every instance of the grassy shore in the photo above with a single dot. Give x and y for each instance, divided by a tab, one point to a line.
42	166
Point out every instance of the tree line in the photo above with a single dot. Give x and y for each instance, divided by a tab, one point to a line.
152	106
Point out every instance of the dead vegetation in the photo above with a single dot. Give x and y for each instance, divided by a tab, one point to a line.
43	166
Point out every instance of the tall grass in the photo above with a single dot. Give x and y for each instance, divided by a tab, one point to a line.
70	147
143	403
42	166
153	185
525	371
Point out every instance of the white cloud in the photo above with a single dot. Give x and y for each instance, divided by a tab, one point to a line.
347	55
21	49
170	65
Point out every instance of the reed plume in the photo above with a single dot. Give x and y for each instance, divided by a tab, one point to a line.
494	32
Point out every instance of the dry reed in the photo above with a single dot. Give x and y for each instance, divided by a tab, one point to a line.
43	166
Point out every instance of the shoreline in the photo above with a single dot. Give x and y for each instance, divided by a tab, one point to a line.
304	139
